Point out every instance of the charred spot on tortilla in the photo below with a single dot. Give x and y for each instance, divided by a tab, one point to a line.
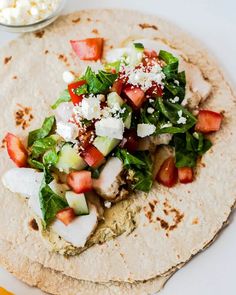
46	51
39	34
152	206
3	143
164	224
64	59
7	59
195	221
14	77
76	20
148	26
95	31
23	116
33	225
89	19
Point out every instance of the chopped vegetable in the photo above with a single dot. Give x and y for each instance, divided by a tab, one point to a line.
80	181
93	157
76	99
66	215
168	173
208	121
63	97
78	203
135	94
16	150
185	174
88	49
117	86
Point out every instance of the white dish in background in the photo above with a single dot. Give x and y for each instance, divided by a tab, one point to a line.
214	23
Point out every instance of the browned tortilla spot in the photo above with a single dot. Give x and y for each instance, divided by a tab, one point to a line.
195	221
152	206
3	143
23	116
148	26
7	59
39	34
89	19
33	225
75	21
95	31
14	77
46	52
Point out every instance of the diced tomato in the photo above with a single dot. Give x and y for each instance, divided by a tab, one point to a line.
135	94
185	174
150	54
85	137
88	49
117	86
66	215
80	181
93	157
16	150
208	121
130	141
168	173
154	91
76	99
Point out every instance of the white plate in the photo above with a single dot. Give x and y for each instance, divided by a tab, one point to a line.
213	22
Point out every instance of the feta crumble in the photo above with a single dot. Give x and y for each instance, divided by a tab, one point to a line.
68	77
150	110
110	127
144	130
182	120
90	107
68	131
107	204
175	99
24	12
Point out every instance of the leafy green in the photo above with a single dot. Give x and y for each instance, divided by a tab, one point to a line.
146	117
41	146
83	89
50	158
99	83
141	167
138	46
63	97
44	131
168	57
188	147
50	202
125	111
35	164
112	66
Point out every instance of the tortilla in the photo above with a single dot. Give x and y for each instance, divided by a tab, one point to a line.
54	282
174	224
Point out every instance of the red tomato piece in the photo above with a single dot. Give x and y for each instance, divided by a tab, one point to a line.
76	99
66	215
130	141
93	157
185	174
16	150
154	91
80	181
150	54
135	94
117	86
168	173
88	49
208	121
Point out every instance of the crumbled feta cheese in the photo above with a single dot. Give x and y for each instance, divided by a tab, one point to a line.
23	12
150	110
182	120
68	131
90	107
176	82
107	204
168	124
175	99
110	127
68	77
180	113
144	130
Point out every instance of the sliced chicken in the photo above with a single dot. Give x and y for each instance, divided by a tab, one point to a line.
109	183
80	229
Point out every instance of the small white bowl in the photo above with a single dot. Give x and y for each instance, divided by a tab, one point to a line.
37	25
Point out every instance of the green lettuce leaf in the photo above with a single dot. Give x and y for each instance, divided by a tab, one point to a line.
41	146
63	97
43	132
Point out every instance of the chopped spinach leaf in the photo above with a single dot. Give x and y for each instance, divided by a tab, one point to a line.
50	202
44	131
82	90
41	146
63	97
109	67
138	46
50	158
35	164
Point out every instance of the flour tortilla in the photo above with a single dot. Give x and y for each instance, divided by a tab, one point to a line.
50	281
204	205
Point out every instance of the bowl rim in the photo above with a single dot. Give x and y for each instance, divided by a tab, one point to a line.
37	23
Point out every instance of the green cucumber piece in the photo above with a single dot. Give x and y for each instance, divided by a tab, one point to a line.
69	159
113	98
77	202
128	120
105	144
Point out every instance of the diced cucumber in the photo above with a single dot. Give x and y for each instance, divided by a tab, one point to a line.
78	203
69	159
105	144
128	120
136	54
113	98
